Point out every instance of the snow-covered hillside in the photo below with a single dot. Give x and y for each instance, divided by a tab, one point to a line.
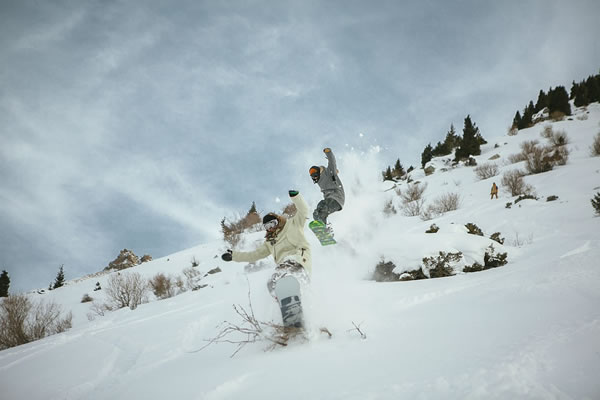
527	330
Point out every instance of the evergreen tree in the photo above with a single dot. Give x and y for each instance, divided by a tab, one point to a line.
596	203
426	155
542	102
387	175
4	284
398	171
558	100
452	140
60	278
592	85
471	141
253	209
517	120
527	119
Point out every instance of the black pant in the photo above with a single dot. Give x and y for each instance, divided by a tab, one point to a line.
324	208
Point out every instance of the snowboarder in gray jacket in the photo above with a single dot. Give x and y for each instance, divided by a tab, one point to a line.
330	184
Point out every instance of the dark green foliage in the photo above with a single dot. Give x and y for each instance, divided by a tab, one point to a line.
476	267
596	203
517	120
439	266
558	100
496	237
384	272
542	101
433	229
253	209
398	170
493	260
4	284
525	197
551	198
59	281
452	140
426	155
387	174
527	118
470	142
474	229
586	92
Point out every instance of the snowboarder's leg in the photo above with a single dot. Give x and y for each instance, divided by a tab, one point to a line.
325	208
287	268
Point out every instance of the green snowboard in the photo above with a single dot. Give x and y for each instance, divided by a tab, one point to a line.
320	230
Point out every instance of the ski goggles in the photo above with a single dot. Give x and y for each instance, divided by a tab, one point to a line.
271	224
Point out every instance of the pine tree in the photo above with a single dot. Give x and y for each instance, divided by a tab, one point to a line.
452	140
527	119
4	284
426	155
471	141
559	100
596	203
517	120
387	175
542	102
398	171
59	281
253	209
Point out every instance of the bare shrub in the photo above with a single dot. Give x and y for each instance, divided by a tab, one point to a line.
515	158
443	204
514	183
539	160
389	209
191	278
412	199
485	171
232	230
557	116
559	138
162	286
22	321
98	309
127	290
595	147
547	132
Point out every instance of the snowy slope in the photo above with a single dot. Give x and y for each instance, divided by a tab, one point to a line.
528	330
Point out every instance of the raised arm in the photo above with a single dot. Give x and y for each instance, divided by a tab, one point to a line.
330	159
301	207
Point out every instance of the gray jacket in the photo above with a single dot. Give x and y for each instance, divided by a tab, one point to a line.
330	182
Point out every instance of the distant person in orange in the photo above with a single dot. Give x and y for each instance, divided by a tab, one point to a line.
494	190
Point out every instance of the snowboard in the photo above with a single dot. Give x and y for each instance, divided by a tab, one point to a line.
321	232
287	290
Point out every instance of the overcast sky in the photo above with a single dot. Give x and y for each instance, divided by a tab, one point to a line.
140	124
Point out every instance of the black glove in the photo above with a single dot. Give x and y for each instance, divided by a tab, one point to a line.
293	193
228	256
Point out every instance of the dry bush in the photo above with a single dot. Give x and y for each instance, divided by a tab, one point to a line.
191	278
559	138
557	116
539	160
515	158
233	230
547	132
22	321
514	183
441	205
86	298
127	290
162	286
412	199
595	148
485	171
98	309
389	209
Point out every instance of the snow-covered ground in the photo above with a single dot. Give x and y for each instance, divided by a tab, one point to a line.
527	330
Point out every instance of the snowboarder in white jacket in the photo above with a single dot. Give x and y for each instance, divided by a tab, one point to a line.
331	186
285	241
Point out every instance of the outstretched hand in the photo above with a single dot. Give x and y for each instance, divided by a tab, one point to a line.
293	193
227	256
326	150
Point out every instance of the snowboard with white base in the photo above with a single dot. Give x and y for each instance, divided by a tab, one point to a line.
287	290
